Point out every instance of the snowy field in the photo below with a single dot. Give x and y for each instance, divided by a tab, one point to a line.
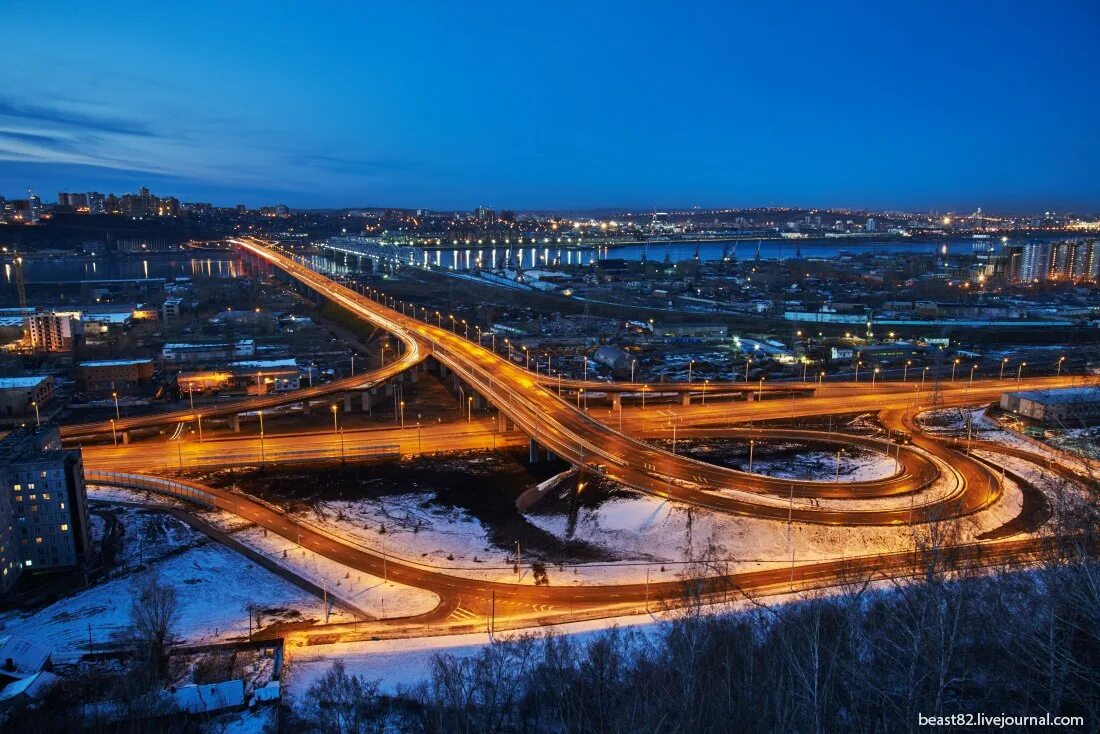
197	568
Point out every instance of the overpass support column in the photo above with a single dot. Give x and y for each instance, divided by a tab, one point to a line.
685	399
347	402
365	397
533	452
235	423
125	438
306	408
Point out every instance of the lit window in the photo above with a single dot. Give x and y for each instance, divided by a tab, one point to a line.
18	488
38	539
64	528
62	505
30	485
27	563
45	495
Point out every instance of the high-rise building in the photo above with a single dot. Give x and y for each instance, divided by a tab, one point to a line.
43	505
870	226
485	214
53	331
1076	260
96	203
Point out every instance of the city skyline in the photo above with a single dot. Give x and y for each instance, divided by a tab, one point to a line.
572	109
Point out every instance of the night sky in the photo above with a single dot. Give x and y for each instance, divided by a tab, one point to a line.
948	105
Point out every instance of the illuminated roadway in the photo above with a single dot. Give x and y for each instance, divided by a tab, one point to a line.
585	441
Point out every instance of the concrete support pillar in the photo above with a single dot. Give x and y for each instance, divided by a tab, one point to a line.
347	402
306	407
685	399
533	452
365	400
125	438
235	423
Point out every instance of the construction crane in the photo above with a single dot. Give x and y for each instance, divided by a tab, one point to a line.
20	285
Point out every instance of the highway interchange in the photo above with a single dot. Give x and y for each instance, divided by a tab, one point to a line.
935	478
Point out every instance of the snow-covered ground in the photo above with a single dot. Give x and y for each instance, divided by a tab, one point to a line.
210	609
404	662
372	595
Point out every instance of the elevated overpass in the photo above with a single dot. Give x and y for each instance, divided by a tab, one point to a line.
584	441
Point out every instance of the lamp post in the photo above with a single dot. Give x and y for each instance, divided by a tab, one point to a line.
748	361
586	369
37	417
751	444
200	427
971	383
262	456
905	370
114	435
923	375
115	396
1003	363
633	364
469	409
402	415
644	388
419	445
1060	360
858	364
191	394
335	424
1020	371
691	363
353	364
874	376
705	384
527	355
385	346
760	390
954	366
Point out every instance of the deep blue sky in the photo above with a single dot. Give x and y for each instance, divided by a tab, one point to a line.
950	105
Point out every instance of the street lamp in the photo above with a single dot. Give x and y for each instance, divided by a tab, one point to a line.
262	457
751	444
691	363
402	415
923	375
874	376
191	394
1060	360
760	391
1003	363
527	355
37	417
954	366
115	396
748	361
335	425
905	370
971	383
1019	371
633	364
469	409
858	364
705	384
114	435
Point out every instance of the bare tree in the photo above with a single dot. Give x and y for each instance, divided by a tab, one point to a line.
154	611
339	703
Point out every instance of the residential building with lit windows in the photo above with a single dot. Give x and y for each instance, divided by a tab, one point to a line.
43	505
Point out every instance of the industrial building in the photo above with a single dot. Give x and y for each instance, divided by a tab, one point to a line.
114	374
1071	406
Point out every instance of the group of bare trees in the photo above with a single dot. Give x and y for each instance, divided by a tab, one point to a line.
864	660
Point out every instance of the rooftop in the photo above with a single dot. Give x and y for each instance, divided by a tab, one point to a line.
1061	395
15	383
113	362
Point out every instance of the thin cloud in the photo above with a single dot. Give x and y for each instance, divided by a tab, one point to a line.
16	110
